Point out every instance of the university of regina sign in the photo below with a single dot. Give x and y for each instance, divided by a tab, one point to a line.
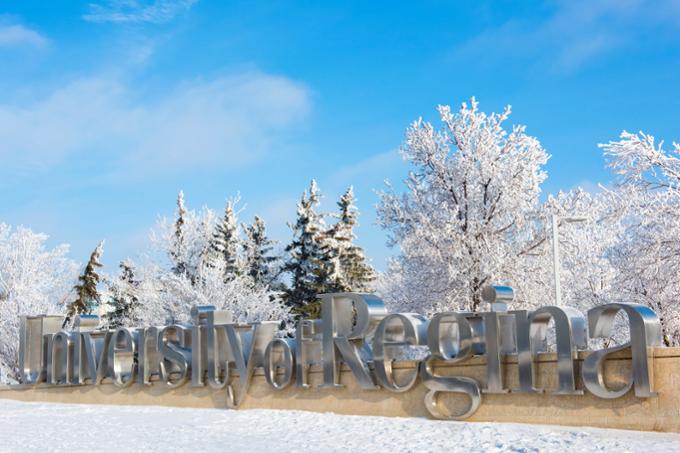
354	329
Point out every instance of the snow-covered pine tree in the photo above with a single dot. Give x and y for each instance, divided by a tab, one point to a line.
224	244
310	262
166	296
257	248
87	294
354	273
124	299
178	246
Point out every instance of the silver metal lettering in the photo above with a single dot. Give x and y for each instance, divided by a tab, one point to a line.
396	331
85	361
278	355
120	357
175	356
205	352
493	346
645	334
60	358
148	355
531	338
342	338
247	343
33	345
441	348
308	339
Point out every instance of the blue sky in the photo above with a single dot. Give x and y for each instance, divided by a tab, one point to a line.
108	109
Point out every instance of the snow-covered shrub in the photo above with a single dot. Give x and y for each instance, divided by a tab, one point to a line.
33	280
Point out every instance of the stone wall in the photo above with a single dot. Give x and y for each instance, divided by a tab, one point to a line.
661	413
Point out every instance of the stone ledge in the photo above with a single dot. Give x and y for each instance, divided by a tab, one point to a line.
661	413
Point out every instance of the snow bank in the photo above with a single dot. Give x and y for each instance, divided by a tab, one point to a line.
60	427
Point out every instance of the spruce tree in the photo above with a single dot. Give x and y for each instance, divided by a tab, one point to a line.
87	294
310	261
124	300
225	242
178	249
257	247
354	273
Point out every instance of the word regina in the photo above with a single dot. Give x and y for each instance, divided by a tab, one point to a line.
354	329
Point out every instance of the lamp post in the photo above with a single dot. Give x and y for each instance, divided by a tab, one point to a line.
556	252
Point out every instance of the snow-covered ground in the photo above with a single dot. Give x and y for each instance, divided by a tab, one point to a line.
61	427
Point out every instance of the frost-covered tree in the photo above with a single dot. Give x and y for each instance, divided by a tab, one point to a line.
166	296
648	255
470	212
311	262
124	301
178	248
33	280
185	242
589	226
225	242
87	292
354	274
641	163
260	261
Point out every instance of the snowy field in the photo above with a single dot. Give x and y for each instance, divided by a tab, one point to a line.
60	427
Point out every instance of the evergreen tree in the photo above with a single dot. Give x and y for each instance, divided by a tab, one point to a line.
354	273
124	299
88	296
178	249
310	261
225	242
257	247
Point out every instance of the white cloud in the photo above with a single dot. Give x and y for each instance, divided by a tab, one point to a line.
135	11
14	35
230	120
576	33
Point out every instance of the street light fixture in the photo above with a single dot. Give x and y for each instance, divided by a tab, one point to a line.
556	252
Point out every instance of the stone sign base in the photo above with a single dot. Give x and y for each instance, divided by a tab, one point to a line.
660	413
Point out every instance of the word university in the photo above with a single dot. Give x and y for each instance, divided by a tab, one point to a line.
355	330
